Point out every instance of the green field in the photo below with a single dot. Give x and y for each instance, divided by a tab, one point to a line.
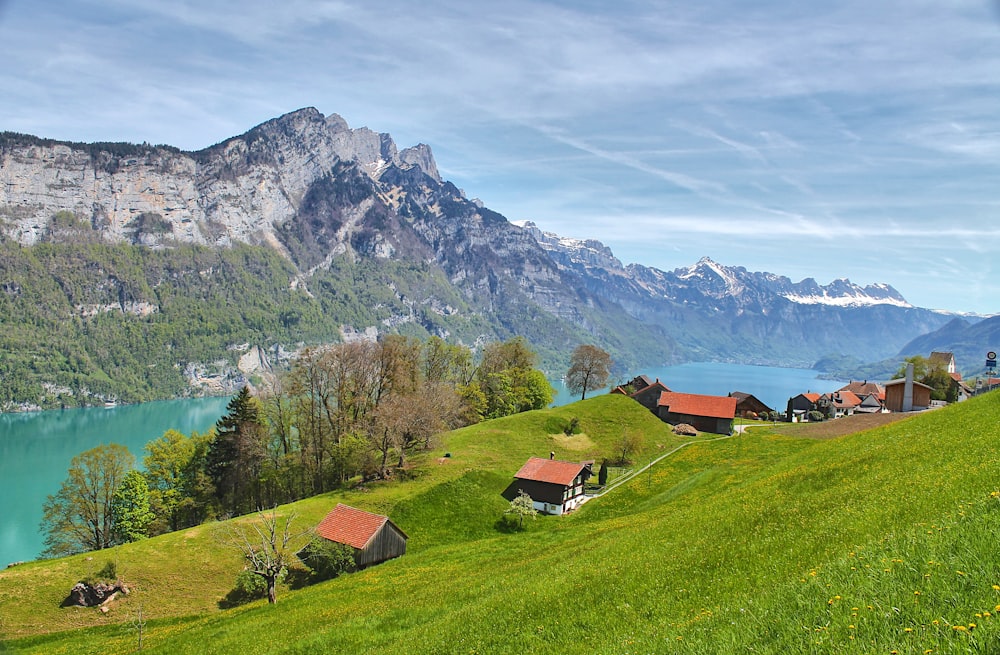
880	541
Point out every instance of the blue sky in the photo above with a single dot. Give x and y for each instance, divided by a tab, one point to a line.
821	139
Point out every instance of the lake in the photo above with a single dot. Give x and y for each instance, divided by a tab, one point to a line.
770	384
36	447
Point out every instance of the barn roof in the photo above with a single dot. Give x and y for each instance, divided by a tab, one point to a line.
553	471
899	381
697	405
354	527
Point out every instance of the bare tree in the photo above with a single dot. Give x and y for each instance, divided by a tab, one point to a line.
406	423
589	369
268	545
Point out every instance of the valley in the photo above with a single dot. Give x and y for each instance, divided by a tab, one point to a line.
874	541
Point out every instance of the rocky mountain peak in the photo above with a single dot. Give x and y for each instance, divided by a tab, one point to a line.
570	252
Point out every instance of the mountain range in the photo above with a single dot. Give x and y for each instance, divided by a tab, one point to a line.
304	230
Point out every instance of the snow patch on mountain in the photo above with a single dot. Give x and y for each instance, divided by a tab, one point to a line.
859	300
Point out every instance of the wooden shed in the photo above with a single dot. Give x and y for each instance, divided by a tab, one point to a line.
373	537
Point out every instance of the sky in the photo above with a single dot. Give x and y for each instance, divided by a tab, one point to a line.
849	139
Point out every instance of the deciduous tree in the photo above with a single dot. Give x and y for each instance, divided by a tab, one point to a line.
521	507
589	369
130	513
79	516
268	545
180	490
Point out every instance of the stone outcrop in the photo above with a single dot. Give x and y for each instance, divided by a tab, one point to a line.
84	594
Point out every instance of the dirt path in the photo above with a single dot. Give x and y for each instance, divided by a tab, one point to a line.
833	428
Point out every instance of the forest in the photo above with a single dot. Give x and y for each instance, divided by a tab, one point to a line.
343	414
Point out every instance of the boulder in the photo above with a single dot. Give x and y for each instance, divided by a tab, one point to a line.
84	594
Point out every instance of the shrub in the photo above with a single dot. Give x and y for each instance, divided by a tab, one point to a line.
327	559
249	587
108	573
815	417
572	427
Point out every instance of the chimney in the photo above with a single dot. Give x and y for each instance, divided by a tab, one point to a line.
908	389
552	454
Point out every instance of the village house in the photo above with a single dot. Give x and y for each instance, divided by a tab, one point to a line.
799	407
872	404
555	486
945	360
705	413
373	537
960	389
748	406
840	403
872	395
645	392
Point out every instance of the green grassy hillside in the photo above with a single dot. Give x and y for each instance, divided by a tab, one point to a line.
877	542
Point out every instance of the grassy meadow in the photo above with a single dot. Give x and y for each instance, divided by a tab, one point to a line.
878	542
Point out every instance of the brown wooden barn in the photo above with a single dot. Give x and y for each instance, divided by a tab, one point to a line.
747	405
373	537
705	413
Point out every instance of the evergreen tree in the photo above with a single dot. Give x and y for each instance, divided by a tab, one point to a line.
236	453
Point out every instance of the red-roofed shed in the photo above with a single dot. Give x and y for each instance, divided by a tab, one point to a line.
373	537
706	413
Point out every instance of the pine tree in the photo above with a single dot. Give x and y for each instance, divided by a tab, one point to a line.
236	453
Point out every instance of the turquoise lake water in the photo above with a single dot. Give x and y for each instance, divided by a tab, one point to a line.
771	385
36	447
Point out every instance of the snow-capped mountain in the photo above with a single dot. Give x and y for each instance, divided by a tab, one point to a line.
372	240
710	308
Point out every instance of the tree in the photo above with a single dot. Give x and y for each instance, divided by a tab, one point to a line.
602	473
407	422
268	546
508	380
521	507
180	491
130	513
627	445
236	453
79	516
589	369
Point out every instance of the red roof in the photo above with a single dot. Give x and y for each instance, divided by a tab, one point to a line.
346	525
812	397
861	389
846	399
697	405
553	471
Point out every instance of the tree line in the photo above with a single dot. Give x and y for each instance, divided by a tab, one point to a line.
343	412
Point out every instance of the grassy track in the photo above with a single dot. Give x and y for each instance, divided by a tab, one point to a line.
881	541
